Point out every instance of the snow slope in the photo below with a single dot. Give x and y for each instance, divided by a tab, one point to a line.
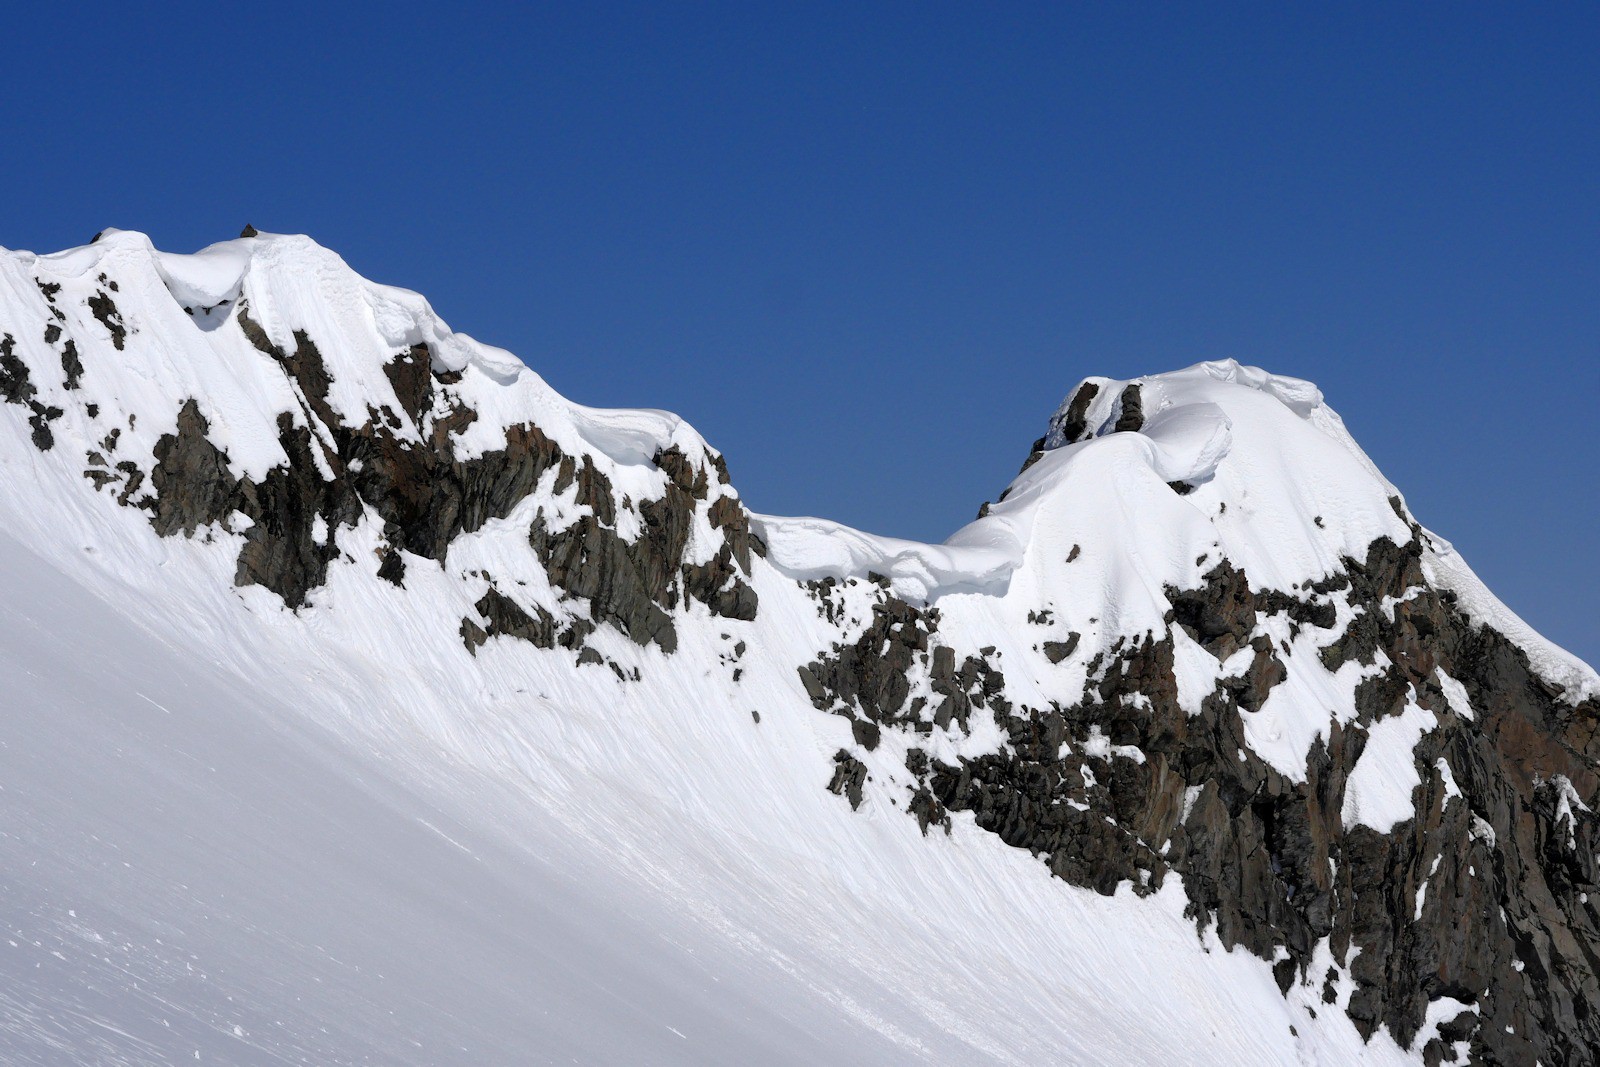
238	833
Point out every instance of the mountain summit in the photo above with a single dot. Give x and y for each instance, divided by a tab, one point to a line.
371	701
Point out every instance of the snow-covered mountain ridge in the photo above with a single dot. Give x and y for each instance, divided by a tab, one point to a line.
1197	657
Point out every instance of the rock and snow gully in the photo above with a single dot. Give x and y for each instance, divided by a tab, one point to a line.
1194	747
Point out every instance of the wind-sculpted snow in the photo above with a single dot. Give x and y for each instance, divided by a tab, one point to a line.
1182	445
1194	747
979	560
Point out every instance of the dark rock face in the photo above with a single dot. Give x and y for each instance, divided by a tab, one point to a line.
105	309
634	585
849	775
627	585
1131	418
1073	425
71	365
16	387
502	615
192	483
1480	899
1482	896
1057	651
871	680
1220	614
403	467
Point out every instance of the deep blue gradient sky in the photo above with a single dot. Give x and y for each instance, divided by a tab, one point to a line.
866	253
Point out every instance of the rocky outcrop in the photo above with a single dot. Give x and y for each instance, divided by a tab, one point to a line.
105	309
849	775
1130	411
1480	900
16	387
895	674
404	468
503	616
635	585
1072	425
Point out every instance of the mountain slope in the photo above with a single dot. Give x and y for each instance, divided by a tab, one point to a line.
1194	746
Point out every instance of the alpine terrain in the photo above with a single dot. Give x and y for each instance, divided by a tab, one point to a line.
366	702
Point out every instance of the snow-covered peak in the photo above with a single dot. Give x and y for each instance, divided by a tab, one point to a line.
164	312
1198	652
1148	484
1259	457
1215	460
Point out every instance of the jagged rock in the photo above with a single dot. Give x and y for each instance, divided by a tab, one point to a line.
1056	651
502	615
191	480
15	386
1035	454
1113	791
866	734
1074	426
392	568
1219	615
849	775
105	309
1131	419
282	549
427	497
71	365
410	373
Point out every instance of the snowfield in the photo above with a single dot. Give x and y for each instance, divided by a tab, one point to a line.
235	833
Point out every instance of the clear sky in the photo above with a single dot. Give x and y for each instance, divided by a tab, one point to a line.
866	249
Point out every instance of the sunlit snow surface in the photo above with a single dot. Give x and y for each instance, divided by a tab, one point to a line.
239	834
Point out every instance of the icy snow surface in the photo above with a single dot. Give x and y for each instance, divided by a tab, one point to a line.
237	833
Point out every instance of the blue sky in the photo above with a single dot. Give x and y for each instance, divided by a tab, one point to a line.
865	249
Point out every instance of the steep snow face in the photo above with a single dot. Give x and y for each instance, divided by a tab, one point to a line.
1137	761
